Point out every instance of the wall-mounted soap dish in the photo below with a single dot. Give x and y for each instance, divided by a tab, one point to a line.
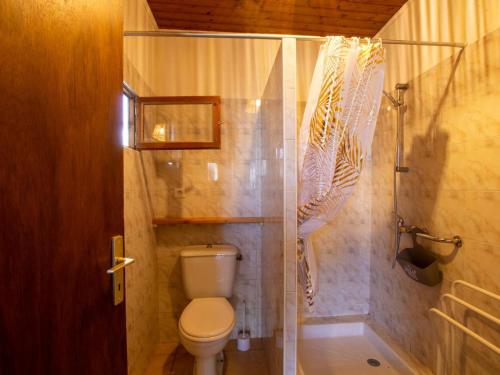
420	264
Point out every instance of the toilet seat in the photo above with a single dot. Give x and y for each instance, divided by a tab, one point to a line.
207	319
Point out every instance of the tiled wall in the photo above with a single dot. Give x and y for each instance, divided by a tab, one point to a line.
141	286
452	138
272	208
214	183
210	183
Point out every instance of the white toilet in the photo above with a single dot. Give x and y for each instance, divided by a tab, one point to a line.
208	273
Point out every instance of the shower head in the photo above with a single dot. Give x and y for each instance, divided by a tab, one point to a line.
400	87
394	102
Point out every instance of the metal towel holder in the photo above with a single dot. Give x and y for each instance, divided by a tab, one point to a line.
476	309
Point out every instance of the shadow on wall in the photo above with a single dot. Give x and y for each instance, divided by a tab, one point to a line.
459	196
427	157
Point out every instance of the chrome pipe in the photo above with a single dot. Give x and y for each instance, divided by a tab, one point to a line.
424	43
193	34
400	106
400	89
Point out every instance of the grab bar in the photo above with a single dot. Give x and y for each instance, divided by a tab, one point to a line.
471	307
456	240
466	330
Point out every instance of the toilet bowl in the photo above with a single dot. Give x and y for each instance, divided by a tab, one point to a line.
204	329
208	273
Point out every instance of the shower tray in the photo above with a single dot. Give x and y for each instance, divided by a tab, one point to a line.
348	348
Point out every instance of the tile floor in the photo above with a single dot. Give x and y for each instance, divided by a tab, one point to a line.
172	359
163	359
252	362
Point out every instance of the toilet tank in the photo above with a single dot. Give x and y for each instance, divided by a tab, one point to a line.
208	270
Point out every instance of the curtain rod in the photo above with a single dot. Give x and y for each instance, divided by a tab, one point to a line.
188	34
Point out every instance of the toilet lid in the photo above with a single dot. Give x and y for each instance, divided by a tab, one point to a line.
207	317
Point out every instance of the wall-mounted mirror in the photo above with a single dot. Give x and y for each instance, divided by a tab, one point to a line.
178	122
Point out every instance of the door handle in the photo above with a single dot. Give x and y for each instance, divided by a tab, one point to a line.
117	270
120	263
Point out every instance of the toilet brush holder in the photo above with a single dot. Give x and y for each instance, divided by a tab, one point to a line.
243	341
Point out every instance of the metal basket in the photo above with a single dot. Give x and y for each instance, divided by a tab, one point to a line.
421	265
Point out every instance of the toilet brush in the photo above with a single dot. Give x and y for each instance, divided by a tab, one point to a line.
243	340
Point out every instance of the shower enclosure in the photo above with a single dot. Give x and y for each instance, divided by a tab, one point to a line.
242	192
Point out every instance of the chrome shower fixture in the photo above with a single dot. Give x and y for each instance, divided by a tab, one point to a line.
391	98
399	104
400	89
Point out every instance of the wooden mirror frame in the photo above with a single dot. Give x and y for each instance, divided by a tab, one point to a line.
214	144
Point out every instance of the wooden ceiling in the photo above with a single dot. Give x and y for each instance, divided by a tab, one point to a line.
302	17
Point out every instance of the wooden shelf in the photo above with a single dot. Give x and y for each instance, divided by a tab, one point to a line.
206	220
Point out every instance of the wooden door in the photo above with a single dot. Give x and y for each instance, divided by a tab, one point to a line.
61	186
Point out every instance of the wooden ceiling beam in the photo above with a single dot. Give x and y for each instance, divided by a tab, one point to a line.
307	17
366	6
361	19
396	3
277	6
259	28
209	4
380	4
321	22
308	11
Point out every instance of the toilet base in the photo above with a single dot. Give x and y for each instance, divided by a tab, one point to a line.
212	365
